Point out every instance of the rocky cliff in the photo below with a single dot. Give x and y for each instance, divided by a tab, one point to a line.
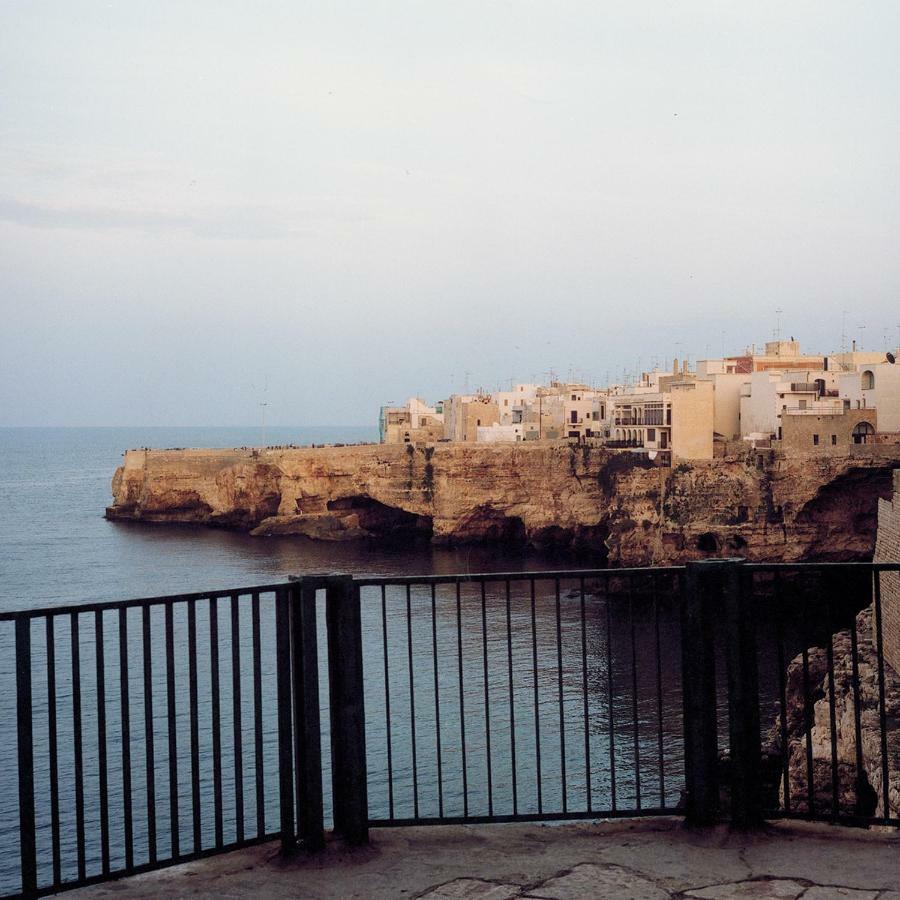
759	505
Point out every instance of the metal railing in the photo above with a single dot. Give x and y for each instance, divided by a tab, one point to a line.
511	697
148	732
832	727
157	731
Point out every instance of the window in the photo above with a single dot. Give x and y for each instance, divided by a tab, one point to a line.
573	417
868	380
802	404
651	434
816	440
834	440
574	397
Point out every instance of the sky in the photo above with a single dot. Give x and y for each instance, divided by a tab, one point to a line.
326	207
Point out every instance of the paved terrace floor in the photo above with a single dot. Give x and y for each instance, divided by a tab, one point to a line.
647	860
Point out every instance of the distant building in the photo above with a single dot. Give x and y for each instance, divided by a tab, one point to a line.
464	414
415	422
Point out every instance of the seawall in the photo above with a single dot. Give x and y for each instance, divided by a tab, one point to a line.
760	505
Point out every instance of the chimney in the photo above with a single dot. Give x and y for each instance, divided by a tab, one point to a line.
684	367
675	366
854	345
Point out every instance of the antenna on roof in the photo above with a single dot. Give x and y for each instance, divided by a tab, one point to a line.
778	313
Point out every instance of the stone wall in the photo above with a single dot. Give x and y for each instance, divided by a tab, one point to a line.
887	549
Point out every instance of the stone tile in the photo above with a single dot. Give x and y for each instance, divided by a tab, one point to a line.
773	889
472	889
820	892
590	881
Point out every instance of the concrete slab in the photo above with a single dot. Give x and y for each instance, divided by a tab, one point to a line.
652	859
763	889
590	880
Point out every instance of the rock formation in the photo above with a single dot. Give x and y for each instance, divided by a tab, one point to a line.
761	505
860	790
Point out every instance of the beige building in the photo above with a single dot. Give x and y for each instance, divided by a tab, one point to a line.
693	416
875	386
464	414
669	416
413	423
812	432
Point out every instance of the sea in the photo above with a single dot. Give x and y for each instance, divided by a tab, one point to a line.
57	548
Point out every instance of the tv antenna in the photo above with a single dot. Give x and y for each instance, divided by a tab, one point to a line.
778	313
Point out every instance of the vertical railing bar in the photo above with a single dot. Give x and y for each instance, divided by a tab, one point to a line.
537	708
487	701
125	716
587	711
285	721
387	703
857	714
412	703
610	700
25	748
807	706
237	718
882	712
101	741
462	702
148	732
258	717
782	690
78	748
52	746
562	712
174	826
634	695
193	698
437	703
659	696
832	718
512	703
216	716
307	717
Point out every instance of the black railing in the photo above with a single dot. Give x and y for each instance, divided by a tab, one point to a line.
148	732
156	731
508	697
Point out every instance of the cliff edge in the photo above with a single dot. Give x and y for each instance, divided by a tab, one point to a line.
761	505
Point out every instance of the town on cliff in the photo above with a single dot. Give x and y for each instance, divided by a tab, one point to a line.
781	398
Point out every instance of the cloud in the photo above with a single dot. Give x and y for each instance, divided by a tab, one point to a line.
243	223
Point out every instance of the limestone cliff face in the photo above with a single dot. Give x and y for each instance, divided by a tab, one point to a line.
761	506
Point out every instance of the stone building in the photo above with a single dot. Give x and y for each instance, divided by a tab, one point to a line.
413	423
826	433
887	549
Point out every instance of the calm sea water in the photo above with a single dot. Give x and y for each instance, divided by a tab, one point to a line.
58	549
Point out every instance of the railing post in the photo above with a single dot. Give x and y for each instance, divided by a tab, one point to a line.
285	720
307	726
698	667
28	852
743	698
348	726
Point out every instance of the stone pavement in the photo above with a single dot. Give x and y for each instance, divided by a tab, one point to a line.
636	860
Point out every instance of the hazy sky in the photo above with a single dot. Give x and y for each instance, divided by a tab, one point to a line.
354	202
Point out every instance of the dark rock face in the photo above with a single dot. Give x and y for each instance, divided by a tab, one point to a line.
855	768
